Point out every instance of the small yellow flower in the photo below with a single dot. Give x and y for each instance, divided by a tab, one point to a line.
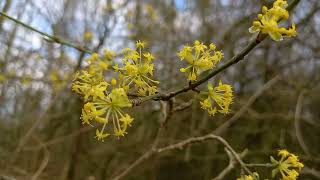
89	85
267	22
88	35
108	55
106	109
288	166
126	121
200	58
119	132
113	82
140	44
149	57
218	99
105	103
137	71
283	153
89	112
292	175
93	57
97	64
100	135
212	46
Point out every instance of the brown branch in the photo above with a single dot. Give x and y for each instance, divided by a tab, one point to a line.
193	140
232	164
154	145
181	145
219	130
167	111
183	106
234	60
46	35
297	126
44	162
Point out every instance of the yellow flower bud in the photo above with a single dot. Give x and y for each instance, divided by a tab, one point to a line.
212	46
183	69
88	36
264	9
113	82
256	23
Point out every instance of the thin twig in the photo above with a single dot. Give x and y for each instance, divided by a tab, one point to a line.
142	158
44	162
297	126
183	106
181	145
232	164
186	142
193	85
48	36
260	165
234	60
167	111
165	97
152	150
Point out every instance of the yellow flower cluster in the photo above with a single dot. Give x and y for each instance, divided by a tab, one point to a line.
288	166
90	83
105	100
218	98
200	58
137	70
106	108
267	22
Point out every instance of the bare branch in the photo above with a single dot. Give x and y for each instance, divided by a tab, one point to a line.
232	164
44	162
234	60
297	126
181	145
48	36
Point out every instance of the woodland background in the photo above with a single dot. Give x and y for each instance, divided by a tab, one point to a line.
41	135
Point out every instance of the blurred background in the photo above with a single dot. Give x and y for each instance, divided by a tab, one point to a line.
41	135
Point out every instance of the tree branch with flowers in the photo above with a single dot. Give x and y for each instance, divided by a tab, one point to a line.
107	100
